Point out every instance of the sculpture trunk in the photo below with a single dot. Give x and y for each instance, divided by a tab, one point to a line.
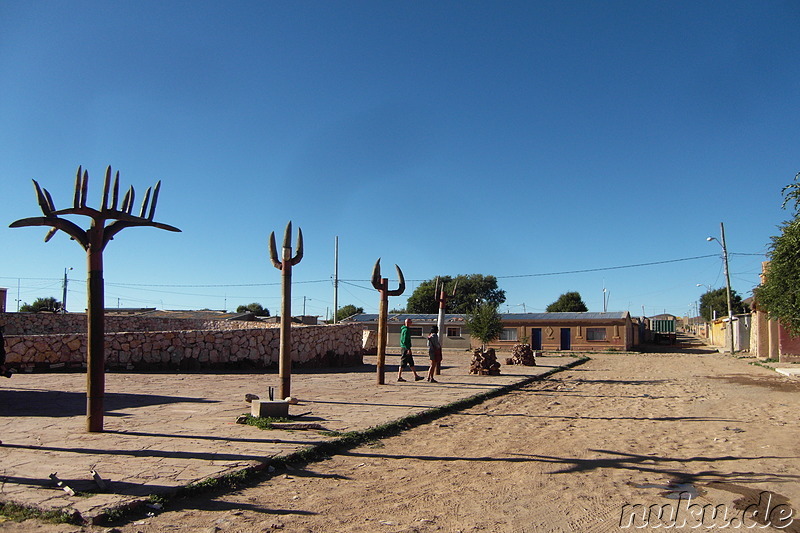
382	286
383	318
95	376
440	323
285	363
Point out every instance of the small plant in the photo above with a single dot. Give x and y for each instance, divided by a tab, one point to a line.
18	513
264	422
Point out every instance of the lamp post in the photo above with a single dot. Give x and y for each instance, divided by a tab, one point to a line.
64	296
727	280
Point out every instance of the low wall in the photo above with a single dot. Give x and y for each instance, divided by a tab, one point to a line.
50	323
219	345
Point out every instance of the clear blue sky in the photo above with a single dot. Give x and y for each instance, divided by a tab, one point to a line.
506	138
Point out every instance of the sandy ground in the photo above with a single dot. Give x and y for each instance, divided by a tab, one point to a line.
623	442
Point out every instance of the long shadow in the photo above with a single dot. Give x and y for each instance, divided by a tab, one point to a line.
37	402
643	418
152	453
87	486
631	461
621	381
620	461
201	437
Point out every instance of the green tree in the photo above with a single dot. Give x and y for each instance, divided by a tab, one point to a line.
484	323
471	288
41	304
255	308
569	302
779	294
348	310
717	301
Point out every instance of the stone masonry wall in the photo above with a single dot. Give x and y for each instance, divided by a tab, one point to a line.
218	345
50	323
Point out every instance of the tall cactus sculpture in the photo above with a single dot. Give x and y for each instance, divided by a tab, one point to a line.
382	286
442	300
285	264
94	240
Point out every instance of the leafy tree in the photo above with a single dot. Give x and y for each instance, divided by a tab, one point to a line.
348	310
779	294
255	308
717	300
41	304
484	322
471	288
569	302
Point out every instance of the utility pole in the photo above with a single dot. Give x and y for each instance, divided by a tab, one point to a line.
727	282
64	296
335	278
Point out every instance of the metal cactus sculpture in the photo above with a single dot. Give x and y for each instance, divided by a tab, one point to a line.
442	299
285	264
382	286
94	240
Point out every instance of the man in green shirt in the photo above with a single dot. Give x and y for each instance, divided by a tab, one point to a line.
406	358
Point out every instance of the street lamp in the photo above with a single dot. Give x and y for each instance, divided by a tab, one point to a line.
727	280
64	296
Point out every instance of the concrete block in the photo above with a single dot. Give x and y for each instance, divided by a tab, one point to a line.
263	408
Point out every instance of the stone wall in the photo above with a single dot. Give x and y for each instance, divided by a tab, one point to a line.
50	323
214	344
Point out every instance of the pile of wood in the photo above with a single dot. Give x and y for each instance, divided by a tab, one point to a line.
522	354
484	363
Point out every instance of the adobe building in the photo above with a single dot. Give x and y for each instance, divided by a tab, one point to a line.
613	331
768	338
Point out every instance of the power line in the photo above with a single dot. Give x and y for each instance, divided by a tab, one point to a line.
351	281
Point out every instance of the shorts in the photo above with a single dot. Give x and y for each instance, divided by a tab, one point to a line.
406	359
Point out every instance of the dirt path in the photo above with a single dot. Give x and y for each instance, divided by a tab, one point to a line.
566	454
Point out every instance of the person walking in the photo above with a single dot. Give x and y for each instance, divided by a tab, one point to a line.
435	353
406	357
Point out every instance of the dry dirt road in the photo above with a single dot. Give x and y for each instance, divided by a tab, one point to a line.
622	442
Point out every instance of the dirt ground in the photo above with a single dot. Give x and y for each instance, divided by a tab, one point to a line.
622	442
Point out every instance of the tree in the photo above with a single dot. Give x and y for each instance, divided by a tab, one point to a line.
779	294
717	301
471	288
569	302
484	322
348	310
41	304
255	308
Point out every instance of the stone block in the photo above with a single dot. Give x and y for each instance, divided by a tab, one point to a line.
263	408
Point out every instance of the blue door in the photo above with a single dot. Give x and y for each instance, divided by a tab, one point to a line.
536	338
565	339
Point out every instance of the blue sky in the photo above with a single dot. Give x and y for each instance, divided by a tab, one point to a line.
518	139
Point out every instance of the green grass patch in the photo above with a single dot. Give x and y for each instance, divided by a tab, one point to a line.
265	422
19	513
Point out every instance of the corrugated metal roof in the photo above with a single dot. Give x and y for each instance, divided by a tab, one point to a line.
432	317
614	315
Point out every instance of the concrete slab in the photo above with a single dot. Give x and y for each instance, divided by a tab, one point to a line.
164	431
792	372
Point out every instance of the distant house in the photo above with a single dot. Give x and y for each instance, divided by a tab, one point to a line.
543	331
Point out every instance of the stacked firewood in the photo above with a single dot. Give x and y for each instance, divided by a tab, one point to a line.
484	363
522	354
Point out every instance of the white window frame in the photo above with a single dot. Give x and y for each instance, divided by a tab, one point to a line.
453	332
509	332
591	334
